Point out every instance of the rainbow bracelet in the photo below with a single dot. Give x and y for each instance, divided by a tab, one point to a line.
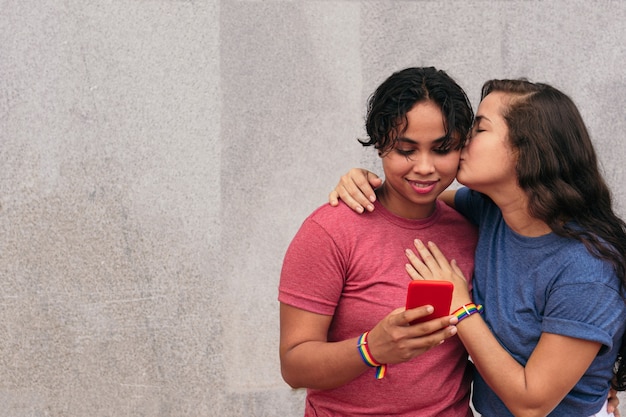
366	355
467	310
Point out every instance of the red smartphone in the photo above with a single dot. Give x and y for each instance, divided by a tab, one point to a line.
436	293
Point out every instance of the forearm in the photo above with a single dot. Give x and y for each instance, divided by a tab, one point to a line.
322	365
522	395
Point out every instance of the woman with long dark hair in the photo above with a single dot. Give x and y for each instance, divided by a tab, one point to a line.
550	265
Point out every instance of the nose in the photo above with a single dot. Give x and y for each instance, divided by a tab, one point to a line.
423	164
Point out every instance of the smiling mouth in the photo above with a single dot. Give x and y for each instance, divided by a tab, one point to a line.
422	187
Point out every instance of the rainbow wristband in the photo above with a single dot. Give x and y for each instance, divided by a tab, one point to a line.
467	310
366	355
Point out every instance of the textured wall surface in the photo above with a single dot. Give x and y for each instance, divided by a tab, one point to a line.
157	156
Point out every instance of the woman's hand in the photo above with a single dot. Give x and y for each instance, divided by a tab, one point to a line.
356	189
309	360
394	340
613	403
433	265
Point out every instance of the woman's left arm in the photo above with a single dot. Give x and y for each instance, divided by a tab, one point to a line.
555	366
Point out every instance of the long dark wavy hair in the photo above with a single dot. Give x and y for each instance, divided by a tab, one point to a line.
557	167
396	96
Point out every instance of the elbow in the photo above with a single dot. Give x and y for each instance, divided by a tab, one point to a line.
296	379
530	411
529	403
290	378
293	384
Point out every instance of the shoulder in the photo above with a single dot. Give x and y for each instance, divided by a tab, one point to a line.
475	206
450	216
327	214
579	266
336	221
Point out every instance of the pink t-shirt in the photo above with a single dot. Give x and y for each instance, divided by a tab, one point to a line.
351	266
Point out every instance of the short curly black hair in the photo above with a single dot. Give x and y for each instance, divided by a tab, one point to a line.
396	96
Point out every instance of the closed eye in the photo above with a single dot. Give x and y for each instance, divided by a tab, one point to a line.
405	152
476	130
443	150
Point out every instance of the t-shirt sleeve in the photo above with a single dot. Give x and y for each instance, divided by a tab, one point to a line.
571	311
468	203
312	275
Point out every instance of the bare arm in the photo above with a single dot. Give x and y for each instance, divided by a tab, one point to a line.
531	390
534	389
448	197
309	360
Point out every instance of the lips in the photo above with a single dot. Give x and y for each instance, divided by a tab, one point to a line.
422	187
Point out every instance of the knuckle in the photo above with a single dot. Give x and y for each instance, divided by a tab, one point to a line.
396	337
404	316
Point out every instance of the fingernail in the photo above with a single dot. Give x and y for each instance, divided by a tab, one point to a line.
359	209
370	207
372	198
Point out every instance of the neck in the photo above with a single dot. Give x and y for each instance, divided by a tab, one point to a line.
401	207
514	207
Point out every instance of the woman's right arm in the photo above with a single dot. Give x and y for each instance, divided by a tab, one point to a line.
356	189
308	360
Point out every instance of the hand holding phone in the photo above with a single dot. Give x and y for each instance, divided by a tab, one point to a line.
436	293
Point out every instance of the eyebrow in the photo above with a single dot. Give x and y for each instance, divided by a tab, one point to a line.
411	141
477	119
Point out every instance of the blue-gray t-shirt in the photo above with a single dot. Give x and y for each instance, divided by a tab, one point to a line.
549	284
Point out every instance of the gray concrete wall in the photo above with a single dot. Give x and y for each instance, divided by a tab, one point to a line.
157	156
